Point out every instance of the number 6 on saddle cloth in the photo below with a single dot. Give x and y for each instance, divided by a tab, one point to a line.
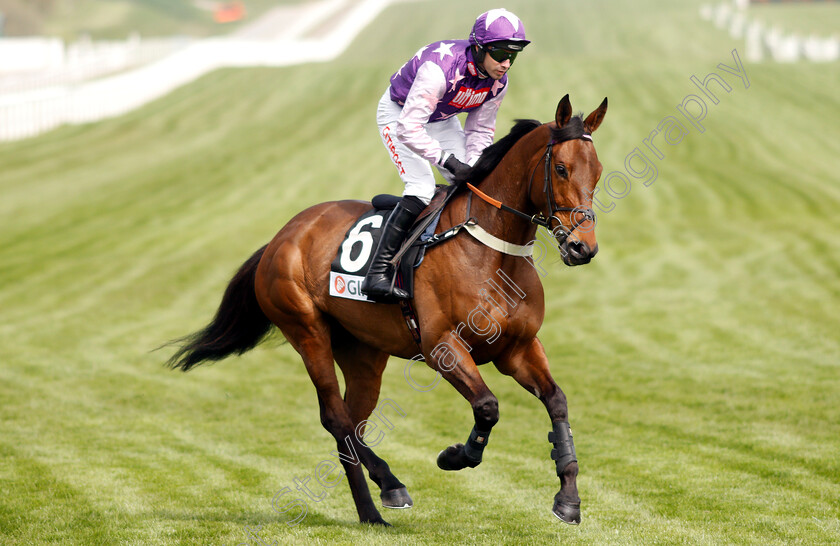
348	269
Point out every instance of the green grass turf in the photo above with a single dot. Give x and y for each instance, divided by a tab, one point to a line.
699	350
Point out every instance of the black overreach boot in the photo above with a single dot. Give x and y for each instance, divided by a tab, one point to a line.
378	281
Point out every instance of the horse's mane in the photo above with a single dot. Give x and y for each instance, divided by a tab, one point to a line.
494	153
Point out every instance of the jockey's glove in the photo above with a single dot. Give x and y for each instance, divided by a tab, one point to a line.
457	168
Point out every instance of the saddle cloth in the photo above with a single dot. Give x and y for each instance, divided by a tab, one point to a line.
355	253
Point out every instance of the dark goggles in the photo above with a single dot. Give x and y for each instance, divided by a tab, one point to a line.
500	54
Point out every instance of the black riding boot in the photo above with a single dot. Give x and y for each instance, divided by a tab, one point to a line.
378	281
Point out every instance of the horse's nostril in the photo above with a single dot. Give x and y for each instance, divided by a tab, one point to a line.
578	249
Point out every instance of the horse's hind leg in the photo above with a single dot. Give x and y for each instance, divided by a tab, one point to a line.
362	367
529	367
309	333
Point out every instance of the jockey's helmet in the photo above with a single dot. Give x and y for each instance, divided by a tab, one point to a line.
499	25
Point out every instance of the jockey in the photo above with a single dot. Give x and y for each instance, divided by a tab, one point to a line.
417	123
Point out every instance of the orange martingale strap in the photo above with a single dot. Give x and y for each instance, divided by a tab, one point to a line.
534	219
484	196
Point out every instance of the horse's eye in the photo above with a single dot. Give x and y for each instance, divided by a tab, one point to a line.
560	169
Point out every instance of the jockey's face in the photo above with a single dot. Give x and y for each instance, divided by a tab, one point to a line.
497	60
495	69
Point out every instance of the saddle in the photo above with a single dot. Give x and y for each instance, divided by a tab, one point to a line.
348	268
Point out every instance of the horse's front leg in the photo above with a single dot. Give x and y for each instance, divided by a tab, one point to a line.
528	365
461	371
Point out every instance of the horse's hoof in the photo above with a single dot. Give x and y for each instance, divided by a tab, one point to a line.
449	458
454	458
567	512
396	498
443	461
377	521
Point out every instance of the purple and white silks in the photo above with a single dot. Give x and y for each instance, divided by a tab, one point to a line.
440	81
427	92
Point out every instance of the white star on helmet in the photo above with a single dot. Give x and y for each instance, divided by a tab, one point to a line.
494	14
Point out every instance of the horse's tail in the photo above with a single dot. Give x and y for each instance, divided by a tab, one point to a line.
239	324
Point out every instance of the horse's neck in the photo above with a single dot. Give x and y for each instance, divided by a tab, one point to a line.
510	183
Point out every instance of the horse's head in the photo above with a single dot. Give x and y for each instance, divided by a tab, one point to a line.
570	169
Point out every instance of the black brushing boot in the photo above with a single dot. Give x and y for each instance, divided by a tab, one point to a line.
378	281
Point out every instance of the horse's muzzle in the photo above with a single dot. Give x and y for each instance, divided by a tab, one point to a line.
577	252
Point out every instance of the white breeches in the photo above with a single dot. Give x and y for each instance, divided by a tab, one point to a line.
415	171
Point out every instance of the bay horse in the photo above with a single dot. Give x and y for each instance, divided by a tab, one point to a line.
539	174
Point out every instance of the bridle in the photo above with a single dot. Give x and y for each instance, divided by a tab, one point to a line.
562	233
588	214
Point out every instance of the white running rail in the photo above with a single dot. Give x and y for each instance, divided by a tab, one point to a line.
274	40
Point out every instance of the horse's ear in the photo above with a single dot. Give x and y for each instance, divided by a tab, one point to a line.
594	119
564	111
